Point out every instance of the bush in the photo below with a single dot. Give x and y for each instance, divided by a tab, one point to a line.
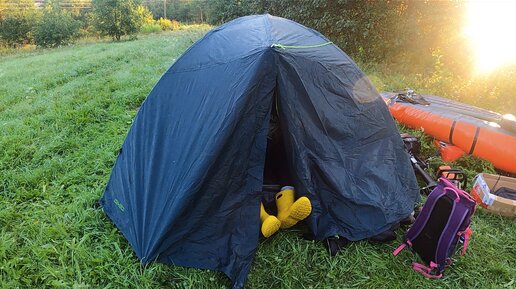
144	15
16	25
167	24
55	29
176	25
150	28
116	18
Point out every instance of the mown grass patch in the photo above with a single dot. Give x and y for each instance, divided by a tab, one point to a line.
63	116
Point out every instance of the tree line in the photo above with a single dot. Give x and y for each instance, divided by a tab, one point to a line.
368	30
399	32
52	23
415	34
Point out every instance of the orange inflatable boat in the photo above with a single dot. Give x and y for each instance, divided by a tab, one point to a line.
476	131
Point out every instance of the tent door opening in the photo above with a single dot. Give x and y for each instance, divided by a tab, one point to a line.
277	170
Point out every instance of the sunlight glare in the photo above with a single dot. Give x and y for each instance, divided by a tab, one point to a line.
509	116
491	29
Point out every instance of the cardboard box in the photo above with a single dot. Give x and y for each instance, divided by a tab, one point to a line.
482	192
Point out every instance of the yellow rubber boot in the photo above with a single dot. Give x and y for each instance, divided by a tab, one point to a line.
290	212
270	224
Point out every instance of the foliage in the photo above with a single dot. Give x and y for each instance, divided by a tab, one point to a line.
404	34
494	91
64	114
363	29
167	24
181	10
117	18
144	14
78	9
56	28
154	26
221	11
205	26
17	21
151	28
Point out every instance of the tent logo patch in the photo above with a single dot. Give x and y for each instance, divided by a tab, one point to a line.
119	205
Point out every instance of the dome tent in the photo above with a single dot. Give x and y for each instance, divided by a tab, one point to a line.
186	186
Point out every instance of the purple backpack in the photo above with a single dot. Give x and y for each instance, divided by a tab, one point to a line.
443	222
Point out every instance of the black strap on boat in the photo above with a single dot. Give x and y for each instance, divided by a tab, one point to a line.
474	141
451	132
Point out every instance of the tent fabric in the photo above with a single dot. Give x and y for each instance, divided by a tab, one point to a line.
186	186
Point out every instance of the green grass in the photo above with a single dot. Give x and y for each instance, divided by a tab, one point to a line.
63	116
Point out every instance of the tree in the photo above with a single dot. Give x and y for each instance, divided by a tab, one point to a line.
56	28
144	15
77	8
17	21
116	18
221	11
3	7
407	31
180	10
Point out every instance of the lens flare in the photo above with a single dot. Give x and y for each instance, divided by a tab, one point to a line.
509	116
491	28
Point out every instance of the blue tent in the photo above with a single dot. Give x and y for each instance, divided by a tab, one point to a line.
186	186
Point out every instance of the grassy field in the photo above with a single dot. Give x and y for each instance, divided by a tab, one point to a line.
64	114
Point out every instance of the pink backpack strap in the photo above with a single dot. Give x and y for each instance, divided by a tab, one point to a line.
466	234
401	247
426	271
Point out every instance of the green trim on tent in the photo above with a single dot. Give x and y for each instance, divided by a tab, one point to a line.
281	46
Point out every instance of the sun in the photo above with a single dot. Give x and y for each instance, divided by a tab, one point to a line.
491	29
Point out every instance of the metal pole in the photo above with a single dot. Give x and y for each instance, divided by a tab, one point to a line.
165	9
